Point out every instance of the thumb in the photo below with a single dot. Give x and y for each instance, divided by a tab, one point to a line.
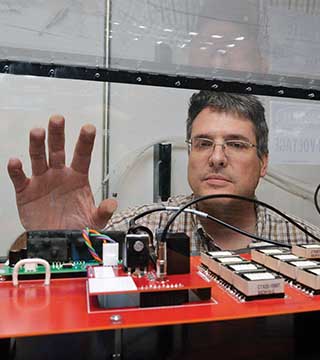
104	212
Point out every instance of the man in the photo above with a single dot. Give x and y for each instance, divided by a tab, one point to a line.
230	37
228	154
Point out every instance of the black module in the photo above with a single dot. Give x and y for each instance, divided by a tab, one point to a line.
164	298
60	245
136	251
47	249
178	252
161	172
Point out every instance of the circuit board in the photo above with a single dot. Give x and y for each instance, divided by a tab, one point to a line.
112	288
58	270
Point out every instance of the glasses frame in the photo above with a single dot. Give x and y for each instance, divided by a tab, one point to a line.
223	144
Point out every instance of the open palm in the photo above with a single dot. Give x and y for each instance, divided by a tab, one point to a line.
57	196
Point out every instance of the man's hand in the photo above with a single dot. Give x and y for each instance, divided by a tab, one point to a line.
57	196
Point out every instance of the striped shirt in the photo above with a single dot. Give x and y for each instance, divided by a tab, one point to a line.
269	225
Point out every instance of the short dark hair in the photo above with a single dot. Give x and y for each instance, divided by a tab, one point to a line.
246	106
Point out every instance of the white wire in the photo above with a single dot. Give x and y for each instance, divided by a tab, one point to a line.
122	167
192	211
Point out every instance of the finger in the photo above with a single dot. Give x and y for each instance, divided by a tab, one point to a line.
37	151
83	150
17	175
56	141
104	212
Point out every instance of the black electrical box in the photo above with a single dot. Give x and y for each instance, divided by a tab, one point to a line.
178	252
59	245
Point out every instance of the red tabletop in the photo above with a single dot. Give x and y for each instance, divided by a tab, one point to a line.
63	307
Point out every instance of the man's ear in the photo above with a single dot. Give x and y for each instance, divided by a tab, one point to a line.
264	165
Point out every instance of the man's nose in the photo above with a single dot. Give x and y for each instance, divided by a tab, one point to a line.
218	157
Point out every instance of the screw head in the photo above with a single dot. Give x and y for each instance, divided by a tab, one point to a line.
115	318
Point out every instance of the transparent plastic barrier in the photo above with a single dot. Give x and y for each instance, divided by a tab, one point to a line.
271	42
135	118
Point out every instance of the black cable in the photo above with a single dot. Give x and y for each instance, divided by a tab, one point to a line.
205	215
243	232
231	196
316	199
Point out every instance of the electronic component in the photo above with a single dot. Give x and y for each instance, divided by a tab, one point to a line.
45	248
113	288
161	172
58	270
290	268
65	250
208	255
178	252
161	263
261	255
61	245
214	262
67	265
303	273
110	254
136	252
274	262
310	278
227	270
308	251
243	278
261	283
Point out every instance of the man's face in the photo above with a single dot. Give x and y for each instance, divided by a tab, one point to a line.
234	48
219	171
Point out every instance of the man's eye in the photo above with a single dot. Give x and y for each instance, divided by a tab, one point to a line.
238	145
202	143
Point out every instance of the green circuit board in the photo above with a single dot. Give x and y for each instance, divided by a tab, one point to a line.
58	270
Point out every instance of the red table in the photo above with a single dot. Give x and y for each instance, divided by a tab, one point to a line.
32	309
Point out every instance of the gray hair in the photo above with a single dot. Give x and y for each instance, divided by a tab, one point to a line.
246	106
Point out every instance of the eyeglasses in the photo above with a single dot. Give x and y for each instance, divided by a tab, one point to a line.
230	147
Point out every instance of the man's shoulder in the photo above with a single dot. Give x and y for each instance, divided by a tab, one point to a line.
122	217
272	221
178	200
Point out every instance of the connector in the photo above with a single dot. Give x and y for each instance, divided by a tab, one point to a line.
161	270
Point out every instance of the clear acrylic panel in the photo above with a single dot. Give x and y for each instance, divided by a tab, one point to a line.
267	42
129	120
270	42
28	102
60	31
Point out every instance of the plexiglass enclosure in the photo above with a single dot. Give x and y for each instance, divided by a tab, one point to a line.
130	66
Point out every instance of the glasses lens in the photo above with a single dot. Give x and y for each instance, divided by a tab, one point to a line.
237	146
230	147
201	144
